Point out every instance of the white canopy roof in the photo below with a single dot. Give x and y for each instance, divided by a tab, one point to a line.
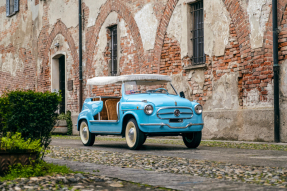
141	79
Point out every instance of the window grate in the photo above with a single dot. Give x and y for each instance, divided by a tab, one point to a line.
12	7
114	51
198	33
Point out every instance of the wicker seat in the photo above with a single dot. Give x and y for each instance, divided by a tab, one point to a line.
111	106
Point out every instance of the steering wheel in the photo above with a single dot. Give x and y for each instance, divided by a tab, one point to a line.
133	91
161	89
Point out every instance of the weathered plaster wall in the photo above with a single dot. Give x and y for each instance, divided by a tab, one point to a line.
258	12
283	100
11	63
67	11
147	23
225	93
216	27
254	100
94	10
250	125
180	27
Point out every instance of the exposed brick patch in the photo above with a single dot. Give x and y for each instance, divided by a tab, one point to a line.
170	57
25	77
159	41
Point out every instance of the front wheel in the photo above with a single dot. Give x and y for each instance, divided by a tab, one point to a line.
87	137
134	136
192	140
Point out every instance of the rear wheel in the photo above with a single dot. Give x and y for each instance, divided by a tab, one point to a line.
192	140
134	137
87	137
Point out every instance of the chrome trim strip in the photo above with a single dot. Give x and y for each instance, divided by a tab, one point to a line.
173	113
163	124
104	121
106	132
130	109
157	114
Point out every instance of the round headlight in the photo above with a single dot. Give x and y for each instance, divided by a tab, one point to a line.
148	109
198	109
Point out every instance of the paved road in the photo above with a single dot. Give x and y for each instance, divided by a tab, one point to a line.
233	156
168	180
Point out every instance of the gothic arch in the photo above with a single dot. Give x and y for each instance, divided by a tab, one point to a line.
59	28
123	11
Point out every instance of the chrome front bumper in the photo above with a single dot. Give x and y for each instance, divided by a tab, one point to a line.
163	124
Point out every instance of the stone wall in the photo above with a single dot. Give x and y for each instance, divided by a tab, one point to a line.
235	85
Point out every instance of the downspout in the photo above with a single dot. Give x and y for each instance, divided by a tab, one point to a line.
80	58
276	70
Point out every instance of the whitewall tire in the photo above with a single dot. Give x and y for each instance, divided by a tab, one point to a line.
87	137
134	137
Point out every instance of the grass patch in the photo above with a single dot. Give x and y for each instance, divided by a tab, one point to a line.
38	169
254	146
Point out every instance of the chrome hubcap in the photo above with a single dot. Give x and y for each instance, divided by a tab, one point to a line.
131	134
85	132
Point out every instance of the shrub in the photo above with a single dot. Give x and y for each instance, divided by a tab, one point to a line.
31	113
68	119
5	111
17	143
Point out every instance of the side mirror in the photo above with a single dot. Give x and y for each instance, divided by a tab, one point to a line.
181	94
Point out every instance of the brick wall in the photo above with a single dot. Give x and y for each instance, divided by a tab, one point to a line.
254	66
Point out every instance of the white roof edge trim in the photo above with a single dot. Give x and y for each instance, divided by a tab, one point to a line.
105	80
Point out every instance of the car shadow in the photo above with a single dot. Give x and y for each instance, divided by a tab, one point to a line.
147	147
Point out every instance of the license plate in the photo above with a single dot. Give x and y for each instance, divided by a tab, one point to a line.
176	120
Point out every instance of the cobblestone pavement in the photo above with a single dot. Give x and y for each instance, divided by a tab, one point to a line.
167	180
85	182
253	174
271	158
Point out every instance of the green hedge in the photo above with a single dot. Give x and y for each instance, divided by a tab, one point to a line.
31	113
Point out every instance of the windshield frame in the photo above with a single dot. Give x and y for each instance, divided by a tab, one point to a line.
124	90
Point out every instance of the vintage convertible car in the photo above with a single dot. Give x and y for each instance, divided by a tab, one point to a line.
149	106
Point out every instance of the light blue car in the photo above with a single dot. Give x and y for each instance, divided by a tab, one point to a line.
149	106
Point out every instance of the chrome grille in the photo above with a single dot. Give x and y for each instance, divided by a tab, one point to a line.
169	113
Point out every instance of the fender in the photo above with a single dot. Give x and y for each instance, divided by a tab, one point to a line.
90	109
137	117
85	114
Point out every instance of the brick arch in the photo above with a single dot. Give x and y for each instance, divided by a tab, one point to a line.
47	40
124	12
161	30
241	24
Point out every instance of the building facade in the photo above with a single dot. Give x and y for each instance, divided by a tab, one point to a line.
218	52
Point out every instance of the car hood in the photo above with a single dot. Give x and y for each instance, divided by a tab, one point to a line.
160	100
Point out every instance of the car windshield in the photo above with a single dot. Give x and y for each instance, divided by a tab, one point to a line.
133	88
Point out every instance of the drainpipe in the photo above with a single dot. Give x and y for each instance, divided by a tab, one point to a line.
276	70
80	58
